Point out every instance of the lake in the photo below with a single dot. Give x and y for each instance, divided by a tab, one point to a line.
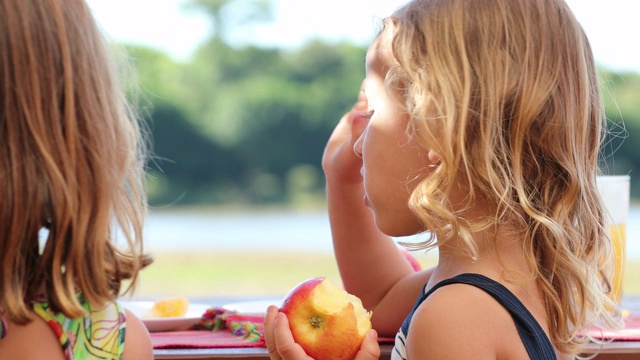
270	231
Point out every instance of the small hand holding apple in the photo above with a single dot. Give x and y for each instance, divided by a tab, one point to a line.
319	321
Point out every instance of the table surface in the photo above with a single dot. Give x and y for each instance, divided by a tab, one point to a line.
622	350
617	350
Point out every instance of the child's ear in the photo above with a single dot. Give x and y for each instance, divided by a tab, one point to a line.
433	156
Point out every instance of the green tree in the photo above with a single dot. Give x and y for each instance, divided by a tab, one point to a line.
159	77
249	124
621	93
229	14
188	167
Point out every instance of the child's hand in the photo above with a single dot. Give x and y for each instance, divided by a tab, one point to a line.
281	345
339	162
279	339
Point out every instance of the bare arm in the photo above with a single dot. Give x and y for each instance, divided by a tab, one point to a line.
137	341
370	263
371	266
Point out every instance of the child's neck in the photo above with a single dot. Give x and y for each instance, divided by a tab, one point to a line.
499	256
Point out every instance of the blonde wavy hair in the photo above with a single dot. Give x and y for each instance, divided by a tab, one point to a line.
507	92
71	161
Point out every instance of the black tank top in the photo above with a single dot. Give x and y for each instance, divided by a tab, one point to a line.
533	337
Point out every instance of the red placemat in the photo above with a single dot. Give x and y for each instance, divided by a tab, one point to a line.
210	339
631	331
201	339
218	328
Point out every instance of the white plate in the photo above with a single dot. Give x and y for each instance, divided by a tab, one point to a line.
193	315
256	307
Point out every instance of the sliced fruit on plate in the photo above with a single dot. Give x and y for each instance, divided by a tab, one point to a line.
169	307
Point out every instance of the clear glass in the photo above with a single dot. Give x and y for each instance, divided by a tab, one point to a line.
614	191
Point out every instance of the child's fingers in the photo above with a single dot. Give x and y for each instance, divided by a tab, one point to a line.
287	348
269	338
358	125
370	349
361	103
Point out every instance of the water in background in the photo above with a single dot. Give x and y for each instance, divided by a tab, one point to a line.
271	231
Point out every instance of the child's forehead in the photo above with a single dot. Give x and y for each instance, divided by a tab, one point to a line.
378	56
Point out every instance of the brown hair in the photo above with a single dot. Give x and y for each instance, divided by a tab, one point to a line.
508	92
71	160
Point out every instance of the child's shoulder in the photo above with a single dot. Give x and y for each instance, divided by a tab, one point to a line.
34	340
464	321
137	339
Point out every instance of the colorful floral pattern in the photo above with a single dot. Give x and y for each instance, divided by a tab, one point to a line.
99	335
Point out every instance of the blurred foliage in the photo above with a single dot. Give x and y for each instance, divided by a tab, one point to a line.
248	125
243	125
621	94
233	14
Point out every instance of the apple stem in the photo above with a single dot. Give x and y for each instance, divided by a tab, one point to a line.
316	321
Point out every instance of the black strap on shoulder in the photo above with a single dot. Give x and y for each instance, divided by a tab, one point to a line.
3	328
533	337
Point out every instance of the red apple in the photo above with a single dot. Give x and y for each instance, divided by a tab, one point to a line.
326	321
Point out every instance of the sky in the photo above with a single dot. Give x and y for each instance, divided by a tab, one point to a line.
612	26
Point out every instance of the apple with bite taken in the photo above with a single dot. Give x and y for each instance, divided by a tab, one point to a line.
327	322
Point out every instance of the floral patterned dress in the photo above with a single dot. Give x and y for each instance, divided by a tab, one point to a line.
99	335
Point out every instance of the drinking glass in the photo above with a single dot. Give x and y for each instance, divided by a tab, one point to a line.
614	191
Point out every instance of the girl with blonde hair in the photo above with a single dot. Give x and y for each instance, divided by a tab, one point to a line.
71	171
479	127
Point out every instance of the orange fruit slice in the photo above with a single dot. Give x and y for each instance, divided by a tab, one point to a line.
170	307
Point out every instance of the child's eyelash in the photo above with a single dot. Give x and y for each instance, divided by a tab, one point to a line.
368	115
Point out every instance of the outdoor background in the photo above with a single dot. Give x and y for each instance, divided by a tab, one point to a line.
237	126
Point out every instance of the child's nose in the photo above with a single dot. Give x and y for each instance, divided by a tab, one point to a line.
357	146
